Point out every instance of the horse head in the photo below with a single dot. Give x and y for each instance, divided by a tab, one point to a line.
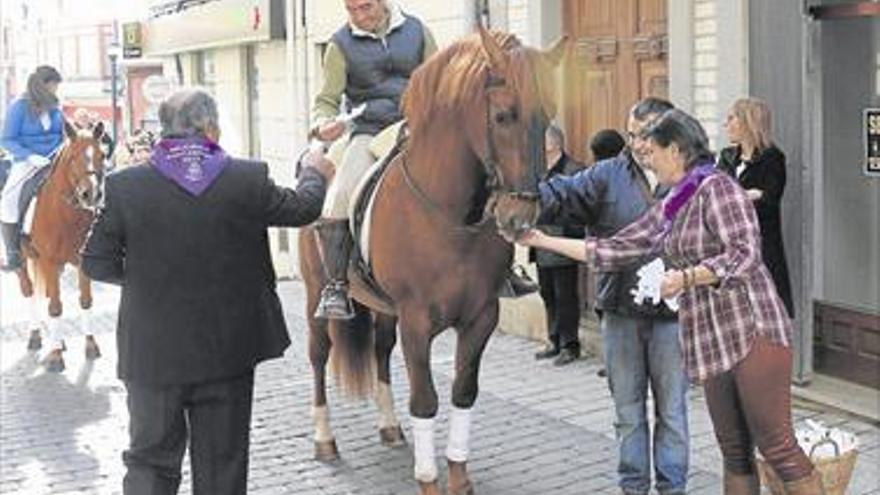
79	167
501	96
520	103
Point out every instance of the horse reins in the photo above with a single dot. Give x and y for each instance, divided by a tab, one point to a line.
494	177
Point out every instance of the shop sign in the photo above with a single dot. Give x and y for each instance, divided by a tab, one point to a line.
132	40
872	141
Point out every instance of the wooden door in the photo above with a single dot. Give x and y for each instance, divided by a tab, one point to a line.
620	56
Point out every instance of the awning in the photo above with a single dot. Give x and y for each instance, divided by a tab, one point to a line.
211	24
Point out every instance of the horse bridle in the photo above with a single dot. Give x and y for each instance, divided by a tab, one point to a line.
494	178
72	197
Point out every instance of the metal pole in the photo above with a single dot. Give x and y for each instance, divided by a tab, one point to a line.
113	95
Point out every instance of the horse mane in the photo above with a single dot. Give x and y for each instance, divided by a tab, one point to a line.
455	77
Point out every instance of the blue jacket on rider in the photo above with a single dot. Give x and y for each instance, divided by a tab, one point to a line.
25	135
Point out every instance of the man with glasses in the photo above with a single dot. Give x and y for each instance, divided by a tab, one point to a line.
640	341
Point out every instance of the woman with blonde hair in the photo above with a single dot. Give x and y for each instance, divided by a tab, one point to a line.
759	166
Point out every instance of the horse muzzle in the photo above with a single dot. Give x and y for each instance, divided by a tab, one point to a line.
515	213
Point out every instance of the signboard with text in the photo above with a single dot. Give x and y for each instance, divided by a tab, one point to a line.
132	40
872	142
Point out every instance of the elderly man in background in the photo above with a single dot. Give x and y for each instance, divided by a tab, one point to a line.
186	239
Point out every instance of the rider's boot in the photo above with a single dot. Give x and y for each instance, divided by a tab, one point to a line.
336	244
12	240
517	283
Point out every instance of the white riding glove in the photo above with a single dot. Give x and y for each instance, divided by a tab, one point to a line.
38	160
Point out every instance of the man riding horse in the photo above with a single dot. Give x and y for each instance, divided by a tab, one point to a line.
369	60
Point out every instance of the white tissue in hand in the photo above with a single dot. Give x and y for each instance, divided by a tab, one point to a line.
648	286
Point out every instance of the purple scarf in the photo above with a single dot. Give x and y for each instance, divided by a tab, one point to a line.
683	191
192	163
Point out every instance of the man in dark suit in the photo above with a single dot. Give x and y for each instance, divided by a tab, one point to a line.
558	275
186	239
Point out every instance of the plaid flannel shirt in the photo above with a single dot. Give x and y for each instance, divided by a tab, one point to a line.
717	229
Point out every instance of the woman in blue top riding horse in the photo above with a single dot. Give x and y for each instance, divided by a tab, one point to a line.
33	132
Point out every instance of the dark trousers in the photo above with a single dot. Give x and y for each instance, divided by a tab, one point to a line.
751	405
559	290
215	417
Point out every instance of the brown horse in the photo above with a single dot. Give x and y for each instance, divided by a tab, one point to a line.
476	114
65	207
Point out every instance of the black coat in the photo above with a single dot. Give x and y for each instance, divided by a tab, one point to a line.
198	287
565	166
767	173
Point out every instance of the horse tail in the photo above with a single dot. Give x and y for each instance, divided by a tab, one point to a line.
350	342
352	357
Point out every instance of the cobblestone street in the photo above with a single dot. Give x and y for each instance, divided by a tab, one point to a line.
537	429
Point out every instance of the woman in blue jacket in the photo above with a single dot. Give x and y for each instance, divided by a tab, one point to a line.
33	132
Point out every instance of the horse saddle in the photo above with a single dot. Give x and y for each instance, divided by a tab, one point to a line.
29	191
387	145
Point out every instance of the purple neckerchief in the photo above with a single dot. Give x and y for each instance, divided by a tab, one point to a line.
193	163
682	192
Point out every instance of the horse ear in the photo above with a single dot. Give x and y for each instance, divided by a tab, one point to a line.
98	131
556	51
69	130
498	60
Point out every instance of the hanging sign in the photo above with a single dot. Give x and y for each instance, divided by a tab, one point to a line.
872	141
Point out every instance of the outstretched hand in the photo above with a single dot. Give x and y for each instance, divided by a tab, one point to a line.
529	238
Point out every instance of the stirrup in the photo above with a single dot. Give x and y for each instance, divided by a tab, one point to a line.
517	283
335	303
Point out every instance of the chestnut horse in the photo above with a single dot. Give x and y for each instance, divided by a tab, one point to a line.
476	113
65	207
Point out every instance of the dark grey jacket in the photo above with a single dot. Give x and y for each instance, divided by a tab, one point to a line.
198	288
378	71
566	165
605	197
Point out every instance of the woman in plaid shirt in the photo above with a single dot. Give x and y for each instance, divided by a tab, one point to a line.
736	333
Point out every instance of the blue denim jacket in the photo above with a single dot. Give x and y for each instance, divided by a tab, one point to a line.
606	197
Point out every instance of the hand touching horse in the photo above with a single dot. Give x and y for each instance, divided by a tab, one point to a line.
63	212
476	112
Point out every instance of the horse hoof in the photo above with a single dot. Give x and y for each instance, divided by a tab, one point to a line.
428	488
55	309
392	436
35	342
458	482
54	363
326	451
93	352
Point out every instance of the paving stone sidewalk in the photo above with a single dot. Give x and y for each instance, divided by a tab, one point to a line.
537	429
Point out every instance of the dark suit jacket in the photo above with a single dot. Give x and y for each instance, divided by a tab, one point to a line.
767	173
198	288
566	165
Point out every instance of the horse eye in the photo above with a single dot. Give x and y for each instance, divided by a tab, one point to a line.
506	117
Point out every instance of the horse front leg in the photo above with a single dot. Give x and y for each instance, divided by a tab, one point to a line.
416	334
85	315
54	361
319	351
390	432
472	339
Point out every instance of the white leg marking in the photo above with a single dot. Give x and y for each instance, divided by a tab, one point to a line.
459	434
385	402
321	416
423	438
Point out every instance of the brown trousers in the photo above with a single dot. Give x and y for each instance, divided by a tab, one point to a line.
751	405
